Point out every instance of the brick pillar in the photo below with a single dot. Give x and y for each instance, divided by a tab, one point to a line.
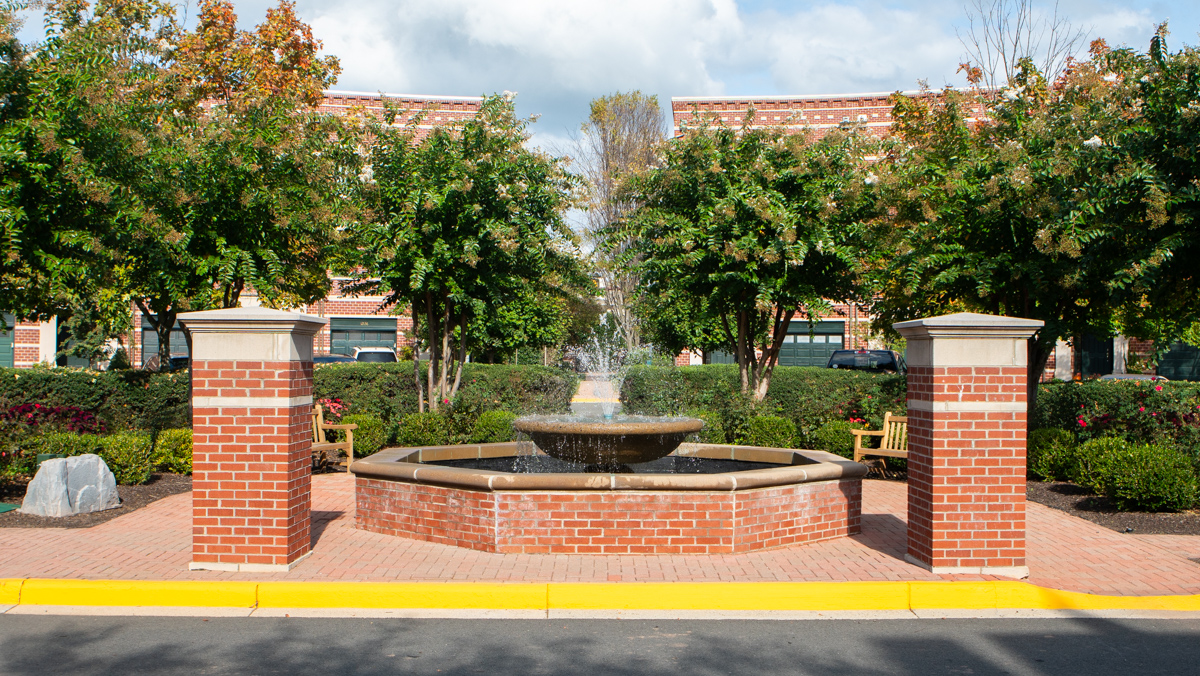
252	403
967	403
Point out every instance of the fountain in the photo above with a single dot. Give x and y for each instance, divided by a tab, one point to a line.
608	444
608	483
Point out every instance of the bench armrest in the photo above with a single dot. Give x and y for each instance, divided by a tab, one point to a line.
866	433
327	426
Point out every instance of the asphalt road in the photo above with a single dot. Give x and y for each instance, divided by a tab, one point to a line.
146	645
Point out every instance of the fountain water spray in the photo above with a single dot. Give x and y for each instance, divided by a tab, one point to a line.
605	356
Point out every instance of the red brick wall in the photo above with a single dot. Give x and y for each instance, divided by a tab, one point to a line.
611	522
966	469
251	465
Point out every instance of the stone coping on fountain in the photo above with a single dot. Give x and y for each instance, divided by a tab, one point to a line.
794	467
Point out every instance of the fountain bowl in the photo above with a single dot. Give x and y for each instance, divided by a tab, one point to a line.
607	442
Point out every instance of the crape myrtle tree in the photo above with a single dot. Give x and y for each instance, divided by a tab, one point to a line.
469	233
193	163
1072	202
741	227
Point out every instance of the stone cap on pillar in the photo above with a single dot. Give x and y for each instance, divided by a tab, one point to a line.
969	325
968	339
251	334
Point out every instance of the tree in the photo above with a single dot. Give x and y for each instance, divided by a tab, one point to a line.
470	229
1074	203
1001	33
201	161
619	142
751	225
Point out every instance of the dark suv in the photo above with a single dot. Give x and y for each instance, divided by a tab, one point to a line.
875	361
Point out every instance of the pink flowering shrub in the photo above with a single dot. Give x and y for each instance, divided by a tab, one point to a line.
1139	411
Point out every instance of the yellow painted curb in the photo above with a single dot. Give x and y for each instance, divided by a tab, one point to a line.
138	593
472	595
729	596
717	596
10	592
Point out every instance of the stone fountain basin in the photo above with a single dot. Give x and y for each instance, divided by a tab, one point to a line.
802	496
620	440
792	467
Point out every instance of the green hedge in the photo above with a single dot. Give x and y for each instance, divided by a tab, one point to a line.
370	436
769	431
809	397
387	391
122	400
494	427
173	451
1136	410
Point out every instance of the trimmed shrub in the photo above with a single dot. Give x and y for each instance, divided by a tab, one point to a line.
121	400
129	455
494	427
1140	411
1148	477
770	431
1090	456
370	436
713	431
68	443
807	396
173	451
388	391
835	438
1051	454
423	429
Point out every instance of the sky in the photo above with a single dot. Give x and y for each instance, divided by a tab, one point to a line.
560	54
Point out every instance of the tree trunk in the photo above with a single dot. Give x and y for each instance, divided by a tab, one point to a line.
783	319
416	356
433	355
162	322
743	359
462	354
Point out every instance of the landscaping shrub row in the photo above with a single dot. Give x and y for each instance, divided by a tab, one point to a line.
131	455
1139	411
120	400
388	393
801	403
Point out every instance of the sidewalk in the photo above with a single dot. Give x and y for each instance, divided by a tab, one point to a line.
153	543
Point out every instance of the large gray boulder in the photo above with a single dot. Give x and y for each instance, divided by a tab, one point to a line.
75	485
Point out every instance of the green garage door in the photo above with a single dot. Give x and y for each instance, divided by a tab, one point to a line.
6	341
179	346
347	333
805	345
1181	363
811	345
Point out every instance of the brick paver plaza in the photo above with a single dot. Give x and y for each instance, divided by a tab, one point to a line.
154	543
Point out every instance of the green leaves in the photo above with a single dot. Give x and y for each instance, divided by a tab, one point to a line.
742	227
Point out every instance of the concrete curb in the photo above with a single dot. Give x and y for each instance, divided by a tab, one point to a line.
583	599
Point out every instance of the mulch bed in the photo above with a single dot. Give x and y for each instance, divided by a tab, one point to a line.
132	497
1078	501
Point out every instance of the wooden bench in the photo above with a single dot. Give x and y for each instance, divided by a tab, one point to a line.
322	447
893	441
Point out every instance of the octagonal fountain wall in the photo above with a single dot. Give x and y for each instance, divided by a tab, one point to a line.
448	494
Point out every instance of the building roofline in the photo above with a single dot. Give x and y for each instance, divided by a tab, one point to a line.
795	97
438	97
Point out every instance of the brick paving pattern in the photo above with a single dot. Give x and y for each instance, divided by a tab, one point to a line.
154	543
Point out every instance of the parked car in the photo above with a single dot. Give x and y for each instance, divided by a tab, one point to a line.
1133	376
179	363
374	355
333	359
875	361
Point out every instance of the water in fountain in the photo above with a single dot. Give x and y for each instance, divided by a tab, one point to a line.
606	358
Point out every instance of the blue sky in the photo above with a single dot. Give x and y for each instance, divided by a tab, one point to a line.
559	54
